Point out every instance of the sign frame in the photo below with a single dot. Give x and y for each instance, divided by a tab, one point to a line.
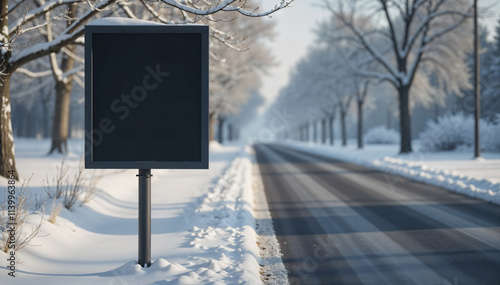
91	30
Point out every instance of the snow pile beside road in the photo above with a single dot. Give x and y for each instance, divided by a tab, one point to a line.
225	228
481	188
484	189
223	232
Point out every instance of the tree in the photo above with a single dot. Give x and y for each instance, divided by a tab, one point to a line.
316	90
15	55
417	36
489	74
31	92
361	93
490	77
333	84
63	77
236	68
29	21
344	95
246	116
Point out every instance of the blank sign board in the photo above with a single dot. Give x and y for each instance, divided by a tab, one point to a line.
146	97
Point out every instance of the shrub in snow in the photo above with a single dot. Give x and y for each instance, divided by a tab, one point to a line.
381	135
22	235
457	131
56	210
71	190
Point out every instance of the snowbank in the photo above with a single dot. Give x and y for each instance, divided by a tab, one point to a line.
484	189
441	174
203	226
223	232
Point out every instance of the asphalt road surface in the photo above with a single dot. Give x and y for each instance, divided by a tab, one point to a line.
339	223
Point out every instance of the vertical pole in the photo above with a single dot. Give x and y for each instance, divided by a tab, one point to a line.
144	217
477	90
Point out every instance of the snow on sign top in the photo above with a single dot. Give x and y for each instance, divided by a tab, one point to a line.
146	95
121	21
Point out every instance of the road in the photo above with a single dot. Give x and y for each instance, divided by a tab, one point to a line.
339	223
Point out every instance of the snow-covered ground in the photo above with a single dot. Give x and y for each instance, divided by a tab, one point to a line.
454	170
203	225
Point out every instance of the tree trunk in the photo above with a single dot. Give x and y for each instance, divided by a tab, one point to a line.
27	126
343	128
360	124
62	108
45	109
230	132
389	119
71	119
315	131
323	130
60	123
221	130
331	130
7	156
404	120
211	124
64	87
22	121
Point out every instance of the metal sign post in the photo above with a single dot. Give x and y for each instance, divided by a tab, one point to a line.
144	217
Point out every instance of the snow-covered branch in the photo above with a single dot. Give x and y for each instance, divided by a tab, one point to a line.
444	31
69	35
226	5
426	22
72	55
34	74
393	36
74	71
371	49
15	27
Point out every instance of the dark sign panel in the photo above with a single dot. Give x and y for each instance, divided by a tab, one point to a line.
146	97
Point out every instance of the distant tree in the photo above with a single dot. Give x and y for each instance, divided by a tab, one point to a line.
490	101
247	115
236	67
490	73
361	93
328	107
327	70
410	37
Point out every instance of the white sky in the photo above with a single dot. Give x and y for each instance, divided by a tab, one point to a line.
294	33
